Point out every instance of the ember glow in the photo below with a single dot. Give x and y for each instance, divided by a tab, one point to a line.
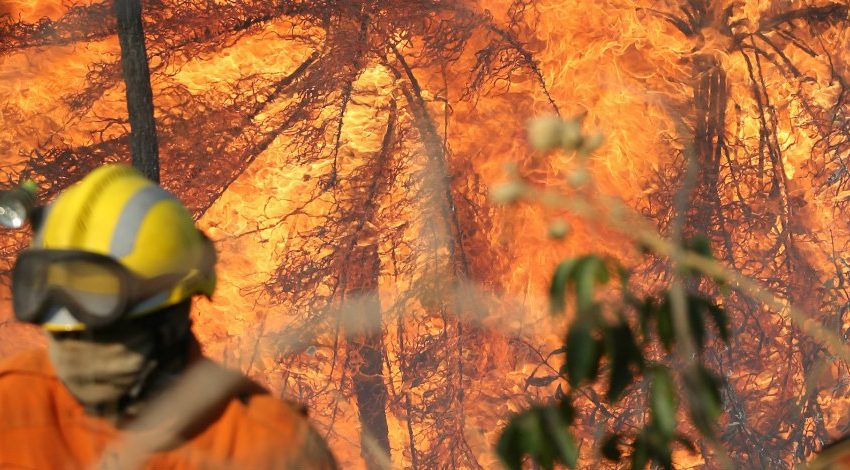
340	154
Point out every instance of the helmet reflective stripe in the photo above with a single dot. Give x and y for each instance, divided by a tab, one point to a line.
131	218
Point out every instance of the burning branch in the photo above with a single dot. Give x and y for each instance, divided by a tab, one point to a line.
830	13
79	24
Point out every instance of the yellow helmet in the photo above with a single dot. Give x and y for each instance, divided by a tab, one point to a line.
116	212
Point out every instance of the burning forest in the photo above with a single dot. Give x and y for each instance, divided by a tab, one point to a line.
341	153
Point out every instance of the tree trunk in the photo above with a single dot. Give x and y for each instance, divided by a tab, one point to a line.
134	64
367	342
364	326
710	102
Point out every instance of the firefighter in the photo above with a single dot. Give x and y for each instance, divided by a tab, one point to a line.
114	263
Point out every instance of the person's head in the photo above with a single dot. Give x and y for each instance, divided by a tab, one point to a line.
110	275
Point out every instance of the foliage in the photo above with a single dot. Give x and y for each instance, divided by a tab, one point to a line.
603	345
618	345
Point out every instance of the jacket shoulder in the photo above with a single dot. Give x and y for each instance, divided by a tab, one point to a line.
34	362
259	413
265	408
264	419
28	391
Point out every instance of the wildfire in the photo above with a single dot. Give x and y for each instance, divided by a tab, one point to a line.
340	155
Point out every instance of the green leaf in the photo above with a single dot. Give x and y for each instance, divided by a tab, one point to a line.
647	312
705	404
509	447
696	320
532	438
30	187
558	288
562	441
623	274
584	273
621	348
567	411
583	354
713	384
663	401
621	378
664	324
700	244
699	308
721	319
640	456
540	433
589	271
659	449
611	448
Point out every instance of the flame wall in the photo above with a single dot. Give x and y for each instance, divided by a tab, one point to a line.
340	153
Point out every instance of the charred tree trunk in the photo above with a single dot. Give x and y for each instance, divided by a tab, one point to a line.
359	275
710	100
449	236
365	329
134	64
704	214
366	341
795	276
439	189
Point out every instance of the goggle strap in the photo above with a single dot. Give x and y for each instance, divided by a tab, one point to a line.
150	303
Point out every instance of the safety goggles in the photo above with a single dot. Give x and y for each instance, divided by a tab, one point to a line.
96	289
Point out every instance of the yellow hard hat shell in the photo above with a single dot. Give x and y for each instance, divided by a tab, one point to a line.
116	211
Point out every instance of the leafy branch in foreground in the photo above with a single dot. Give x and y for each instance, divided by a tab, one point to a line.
616	344
603	345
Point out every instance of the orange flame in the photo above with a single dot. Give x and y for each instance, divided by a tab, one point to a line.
626	64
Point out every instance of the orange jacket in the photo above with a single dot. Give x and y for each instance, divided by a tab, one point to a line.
43	427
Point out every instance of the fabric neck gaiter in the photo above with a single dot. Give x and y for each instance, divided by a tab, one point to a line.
102	370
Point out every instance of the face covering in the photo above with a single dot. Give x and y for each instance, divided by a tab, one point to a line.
102	368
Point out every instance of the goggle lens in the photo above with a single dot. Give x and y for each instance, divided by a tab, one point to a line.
91	288
95	288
